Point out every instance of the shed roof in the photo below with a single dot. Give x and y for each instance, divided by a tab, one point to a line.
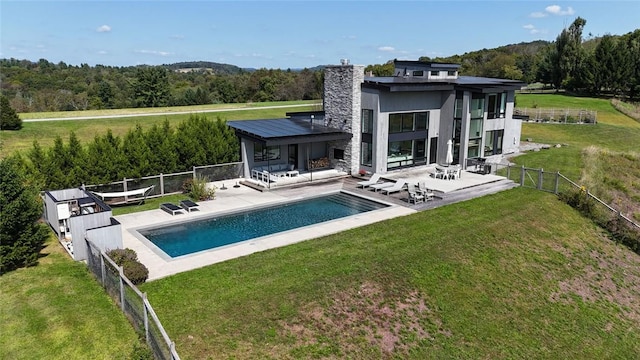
286	131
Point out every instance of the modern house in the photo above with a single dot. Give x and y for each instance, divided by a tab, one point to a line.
379	124
76	215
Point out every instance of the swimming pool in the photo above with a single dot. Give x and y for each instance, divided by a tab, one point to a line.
204	234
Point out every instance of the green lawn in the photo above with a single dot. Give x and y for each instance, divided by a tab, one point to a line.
45	132
510	281
56	310
614	131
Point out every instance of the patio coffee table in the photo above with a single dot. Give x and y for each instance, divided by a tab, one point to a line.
293	173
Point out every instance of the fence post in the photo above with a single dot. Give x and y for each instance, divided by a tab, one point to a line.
124	188
102	268
194	173
172	348
557	185
540	178
522	176
508	171
146	316
161	184
121	273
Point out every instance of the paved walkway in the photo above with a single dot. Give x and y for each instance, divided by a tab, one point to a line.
242	198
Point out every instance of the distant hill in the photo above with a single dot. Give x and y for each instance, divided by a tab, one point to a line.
205	66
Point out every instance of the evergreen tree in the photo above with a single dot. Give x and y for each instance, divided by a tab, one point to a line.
136	152
21	236
151	86
9	119
163	157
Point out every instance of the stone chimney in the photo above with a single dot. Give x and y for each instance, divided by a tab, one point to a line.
342	109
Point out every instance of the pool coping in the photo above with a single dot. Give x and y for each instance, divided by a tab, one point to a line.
161	265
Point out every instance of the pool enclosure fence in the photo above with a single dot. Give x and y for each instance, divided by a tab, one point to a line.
166	184
133	303
562	116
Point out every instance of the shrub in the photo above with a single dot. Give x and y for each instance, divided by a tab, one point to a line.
120	256
134	270
198	190
141	351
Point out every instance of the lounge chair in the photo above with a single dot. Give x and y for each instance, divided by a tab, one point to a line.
188	205
397	186
375	178
381	186
414	195
171	208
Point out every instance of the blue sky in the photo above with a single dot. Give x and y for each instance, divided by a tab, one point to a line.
288	34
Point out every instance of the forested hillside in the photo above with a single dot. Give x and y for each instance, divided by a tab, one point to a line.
607	65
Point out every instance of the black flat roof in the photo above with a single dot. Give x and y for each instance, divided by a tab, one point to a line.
416	83
286	131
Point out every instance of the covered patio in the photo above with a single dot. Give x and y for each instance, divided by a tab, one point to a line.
278	152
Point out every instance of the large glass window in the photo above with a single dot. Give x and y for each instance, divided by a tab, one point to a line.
422	121
496	106
366	153
408	122
493	142
264	153
475	128
477	106
400	153
367	121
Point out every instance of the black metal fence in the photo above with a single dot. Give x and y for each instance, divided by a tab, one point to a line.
556	183
132	302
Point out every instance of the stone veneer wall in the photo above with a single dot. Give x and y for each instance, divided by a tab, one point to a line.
342	109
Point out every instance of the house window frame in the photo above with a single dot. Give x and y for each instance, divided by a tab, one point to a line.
261	152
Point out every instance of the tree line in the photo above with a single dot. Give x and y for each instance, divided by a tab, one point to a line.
160	149
45	86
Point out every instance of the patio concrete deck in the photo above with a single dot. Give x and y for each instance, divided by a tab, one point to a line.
240	198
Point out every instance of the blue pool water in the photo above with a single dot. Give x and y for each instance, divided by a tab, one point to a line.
194	236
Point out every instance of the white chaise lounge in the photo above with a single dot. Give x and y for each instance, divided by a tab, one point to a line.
375	178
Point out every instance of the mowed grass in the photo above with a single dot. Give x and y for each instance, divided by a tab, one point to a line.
56	310
45	132
493	278
614	131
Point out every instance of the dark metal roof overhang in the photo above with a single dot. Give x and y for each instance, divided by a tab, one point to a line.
286	131
487	85
406	86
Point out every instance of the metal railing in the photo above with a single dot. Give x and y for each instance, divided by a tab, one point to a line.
132	302
165	184
553	182
563	116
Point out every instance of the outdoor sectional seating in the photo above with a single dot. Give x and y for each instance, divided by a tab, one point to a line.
271	173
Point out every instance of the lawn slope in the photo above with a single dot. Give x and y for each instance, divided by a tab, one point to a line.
513	275
56	310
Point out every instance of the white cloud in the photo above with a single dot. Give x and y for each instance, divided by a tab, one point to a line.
154	52
537	14
104	28
557	10
102	52
386	48
177	37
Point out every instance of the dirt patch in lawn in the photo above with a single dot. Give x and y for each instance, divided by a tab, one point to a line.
366	319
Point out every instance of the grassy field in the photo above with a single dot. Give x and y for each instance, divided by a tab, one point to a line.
614	131
511	282
46	132
56	310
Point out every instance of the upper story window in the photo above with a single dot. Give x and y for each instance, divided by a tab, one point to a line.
477	106
451	73
407	122
367	121
418	73
496	105
435	73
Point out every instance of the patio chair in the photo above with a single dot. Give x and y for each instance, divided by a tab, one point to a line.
428	194
414	195
171	208
375	178
188	205
398	186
